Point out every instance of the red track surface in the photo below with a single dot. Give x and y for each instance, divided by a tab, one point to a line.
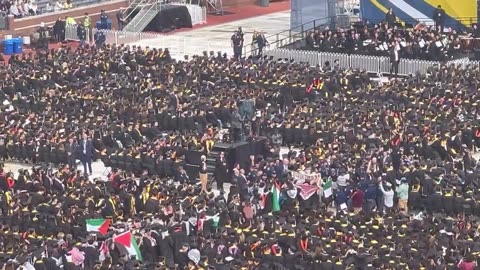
239	13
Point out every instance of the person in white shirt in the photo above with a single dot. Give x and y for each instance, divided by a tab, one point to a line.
21	8
14	10
58	6
402	194
50	6
388	194
343	179
33	7
28	9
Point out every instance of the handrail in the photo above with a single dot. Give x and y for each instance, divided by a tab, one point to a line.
308	26
300	29
132	7
457	20
145	11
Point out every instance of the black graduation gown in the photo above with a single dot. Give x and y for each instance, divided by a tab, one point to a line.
181	258
434	202
165	248
221	266
149	250
109	210
414	200
91	255
152	206
220	170
448	203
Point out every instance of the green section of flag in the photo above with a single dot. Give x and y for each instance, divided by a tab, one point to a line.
276	197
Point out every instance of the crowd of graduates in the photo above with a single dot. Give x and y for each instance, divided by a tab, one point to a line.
377	176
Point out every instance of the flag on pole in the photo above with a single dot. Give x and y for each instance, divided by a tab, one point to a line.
100	225
307	190
276	196
327	188
127	240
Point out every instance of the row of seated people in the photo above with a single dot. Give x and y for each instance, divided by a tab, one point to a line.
421	42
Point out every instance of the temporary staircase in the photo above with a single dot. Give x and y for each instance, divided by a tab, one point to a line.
140	13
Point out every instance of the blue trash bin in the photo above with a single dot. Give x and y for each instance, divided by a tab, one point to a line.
17	45
99	25
8	47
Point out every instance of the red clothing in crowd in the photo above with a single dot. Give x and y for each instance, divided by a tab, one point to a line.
463	265
357	198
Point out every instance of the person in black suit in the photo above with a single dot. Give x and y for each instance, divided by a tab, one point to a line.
237	44
439	18
236	125
394	59
71	150
220	170
261	41
86	153
390	17
310	42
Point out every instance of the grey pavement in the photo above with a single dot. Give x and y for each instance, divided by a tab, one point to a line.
217	37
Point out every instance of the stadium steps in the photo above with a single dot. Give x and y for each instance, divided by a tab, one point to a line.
144	16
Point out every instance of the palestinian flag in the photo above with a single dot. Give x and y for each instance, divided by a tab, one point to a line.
104	253
215	219
327	188
276	196
100	225
127	240
307	190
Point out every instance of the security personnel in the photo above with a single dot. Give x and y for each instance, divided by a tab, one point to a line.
43	37
82	34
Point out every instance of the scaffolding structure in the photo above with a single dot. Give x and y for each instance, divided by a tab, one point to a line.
215	6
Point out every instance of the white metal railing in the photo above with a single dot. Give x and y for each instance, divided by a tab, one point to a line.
179	46
71	33
197	13
372	64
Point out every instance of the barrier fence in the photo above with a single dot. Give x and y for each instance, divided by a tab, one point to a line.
197	13
372	64
179	46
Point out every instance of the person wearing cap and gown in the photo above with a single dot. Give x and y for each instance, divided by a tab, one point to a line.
91	253
181	256
220	170
71	149
152	204
149	247
165	246
203	174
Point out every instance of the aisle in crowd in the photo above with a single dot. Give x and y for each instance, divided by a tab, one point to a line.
399	153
